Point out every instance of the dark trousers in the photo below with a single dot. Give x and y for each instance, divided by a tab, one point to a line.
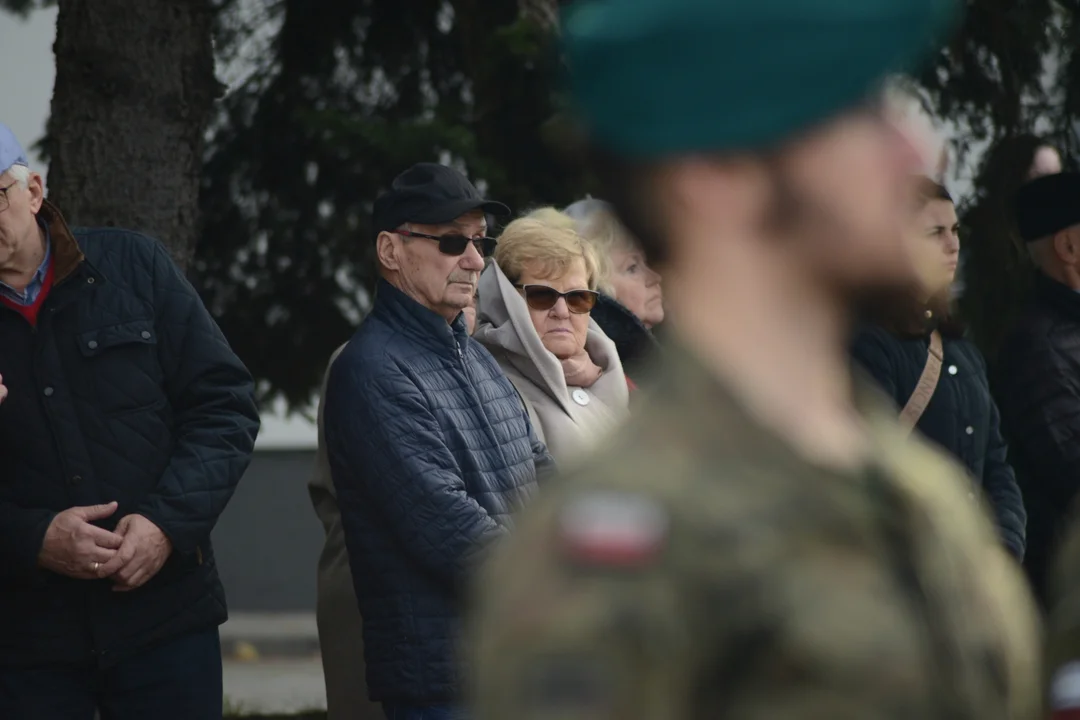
179	679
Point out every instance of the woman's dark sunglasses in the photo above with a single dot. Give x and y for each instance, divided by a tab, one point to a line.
455	243
542	297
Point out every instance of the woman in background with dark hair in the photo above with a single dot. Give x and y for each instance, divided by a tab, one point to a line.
915	349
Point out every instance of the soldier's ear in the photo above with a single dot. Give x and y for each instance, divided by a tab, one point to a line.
386	249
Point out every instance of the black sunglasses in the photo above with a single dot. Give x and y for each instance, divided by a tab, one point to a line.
542	297
455	243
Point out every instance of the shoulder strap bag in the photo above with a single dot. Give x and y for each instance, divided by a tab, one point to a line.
928	381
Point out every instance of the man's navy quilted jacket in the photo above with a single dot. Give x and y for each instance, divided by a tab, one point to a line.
430	451
125	391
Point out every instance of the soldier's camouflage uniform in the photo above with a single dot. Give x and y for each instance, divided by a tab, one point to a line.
1063	624
696	567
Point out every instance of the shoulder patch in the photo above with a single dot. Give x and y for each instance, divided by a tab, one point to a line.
1065	691
613	529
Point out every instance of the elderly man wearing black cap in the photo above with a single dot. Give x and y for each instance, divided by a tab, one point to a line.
1039	389
766	541
430	446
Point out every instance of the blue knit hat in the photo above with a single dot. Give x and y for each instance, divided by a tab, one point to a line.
11	152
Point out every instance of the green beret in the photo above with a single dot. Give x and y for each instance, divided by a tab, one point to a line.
654	78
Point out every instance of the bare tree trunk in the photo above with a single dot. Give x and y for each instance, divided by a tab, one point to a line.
134	90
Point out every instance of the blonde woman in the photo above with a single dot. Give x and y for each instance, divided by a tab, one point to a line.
631	303
533	315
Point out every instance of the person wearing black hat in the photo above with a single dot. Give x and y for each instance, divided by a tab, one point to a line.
430	447
1039	363
765	540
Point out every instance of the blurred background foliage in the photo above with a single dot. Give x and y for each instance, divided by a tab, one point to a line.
329	99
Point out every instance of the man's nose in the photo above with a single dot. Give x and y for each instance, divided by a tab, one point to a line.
472	259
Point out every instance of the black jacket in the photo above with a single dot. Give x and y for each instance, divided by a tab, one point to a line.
961	416
430	450
125	391
634	342
1039	392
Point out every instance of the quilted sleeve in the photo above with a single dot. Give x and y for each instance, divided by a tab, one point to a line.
999	481
387	451
871	353
215	418
22	532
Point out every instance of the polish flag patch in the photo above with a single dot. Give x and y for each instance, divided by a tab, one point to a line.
1065	692
613	529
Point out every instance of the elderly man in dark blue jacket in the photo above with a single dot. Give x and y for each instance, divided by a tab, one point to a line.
126	423
430	446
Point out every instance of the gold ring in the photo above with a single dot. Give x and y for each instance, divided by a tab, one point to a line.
95	566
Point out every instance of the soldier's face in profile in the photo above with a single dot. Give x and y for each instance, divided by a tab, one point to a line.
843	193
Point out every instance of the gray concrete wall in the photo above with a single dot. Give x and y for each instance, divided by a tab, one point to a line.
268	539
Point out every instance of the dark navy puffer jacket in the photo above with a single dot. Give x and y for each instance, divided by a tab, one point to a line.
125	390
431	450
961	417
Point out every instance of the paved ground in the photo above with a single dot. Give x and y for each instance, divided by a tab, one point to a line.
272	662
276	685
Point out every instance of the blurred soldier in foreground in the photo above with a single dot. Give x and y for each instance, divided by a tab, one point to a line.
766	541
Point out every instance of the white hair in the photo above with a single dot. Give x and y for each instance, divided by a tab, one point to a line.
20	174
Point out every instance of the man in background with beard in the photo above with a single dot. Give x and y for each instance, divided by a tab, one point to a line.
766	541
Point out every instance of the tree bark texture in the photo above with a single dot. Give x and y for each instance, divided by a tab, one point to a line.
135	88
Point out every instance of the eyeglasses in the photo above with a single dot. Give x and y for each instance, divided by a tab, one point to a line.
542	297
455	243
4	197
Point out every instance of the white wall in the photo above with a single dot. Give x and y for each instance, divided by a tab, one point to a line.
27	72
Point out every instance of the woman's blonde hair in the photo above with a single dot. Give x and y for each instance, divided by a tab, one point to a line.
550	240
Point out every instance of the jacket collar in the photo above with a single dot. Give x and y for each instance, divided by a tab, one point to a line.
1061	298
67	255
632	339
418	322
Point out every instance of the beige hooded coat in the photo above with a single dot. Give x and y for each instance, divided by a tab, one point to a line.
568	420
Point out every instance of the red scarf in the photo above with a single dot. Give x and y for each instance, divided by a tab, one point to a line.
30	312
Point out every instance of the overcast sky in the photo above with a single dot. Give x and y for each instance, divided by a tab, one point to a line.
27	71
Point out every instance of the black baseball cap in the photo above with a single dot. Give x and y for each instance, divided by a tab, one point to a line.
430	194
1047	205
